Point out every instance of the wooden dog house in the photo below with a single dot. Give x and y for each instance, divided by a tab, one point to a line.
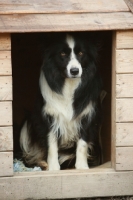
114	178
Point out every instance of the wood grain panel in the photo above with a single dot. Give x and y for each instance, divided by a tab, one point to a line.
5	88
124	158
124	134
124	110
5	41
124	85
113	103
124	61
59	6
5	113
65	22
130	4
59	185
124	39
6	164
5	63
6	139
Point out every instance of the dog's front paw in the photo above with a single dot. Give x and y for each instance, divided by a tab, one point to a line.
81	165
53	165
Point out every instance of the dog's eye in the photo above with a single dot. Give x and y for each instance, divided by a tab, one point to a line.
63	54
80	53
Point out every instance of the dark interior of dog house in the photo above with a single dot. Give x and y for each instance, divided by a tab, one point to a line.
26	63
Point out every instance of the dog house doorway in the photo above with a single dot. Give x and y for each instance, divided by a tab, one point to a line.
26	63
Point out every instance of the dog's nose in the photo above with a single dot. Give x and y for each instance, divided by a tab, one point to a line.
74	71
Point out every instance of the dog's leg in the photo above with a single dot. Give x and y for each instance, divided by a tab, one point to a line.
53	163
81	155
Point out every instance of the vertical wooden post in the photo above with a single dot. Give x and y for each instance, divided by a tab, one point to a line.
122	100
113	103
6	139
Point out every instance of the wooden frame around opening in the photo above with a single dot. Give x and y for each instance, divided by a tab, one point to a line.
100	181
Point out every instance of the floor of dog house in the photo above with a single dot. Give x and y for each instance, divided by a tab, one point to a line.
26	63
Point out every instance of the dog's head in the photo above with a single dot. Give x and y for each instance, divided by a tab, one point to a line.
70	58
70	55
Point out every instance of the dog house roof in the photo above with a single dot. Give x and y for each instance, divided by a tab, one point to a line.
70	15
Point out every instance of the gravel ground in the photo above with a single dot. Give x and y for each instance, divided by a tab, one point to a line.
108	198
101	198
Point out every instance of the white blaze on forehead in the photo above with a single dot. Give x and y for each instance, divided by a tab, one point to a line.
73	62
70	41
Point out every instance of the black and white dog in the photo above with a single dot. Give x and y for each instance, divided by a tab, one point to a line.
63	129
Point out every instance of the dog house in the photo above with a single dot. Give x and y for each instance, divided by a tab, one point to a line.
21	23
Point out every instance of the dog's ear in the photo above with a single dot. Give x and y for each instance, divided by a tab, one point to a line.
47	40
94	42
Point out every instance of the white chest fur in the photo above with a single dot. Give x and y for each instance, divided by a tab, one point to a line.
60	107
59	104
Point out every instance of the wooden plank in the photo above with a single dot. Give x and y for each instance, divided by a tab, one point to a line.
124	39
124	134
6	139
5	63
5	88
106	167
124	61
5	41
113	103
65	22
124	110
124	85
130	4
59	6
67	185
124	158
6	164
5	113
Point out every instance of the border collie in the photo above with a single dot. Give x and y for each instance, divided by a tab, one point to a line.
63	129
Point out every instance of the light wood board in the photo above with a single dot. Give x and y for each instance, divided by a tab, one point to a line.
124	158
124	61
70	185
6	164
5	41
124	85
59	6
5	113
6	138
5	88
65	22
122	94
106	167
124	134
5	63
124	39
124	110
130	4
113	103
